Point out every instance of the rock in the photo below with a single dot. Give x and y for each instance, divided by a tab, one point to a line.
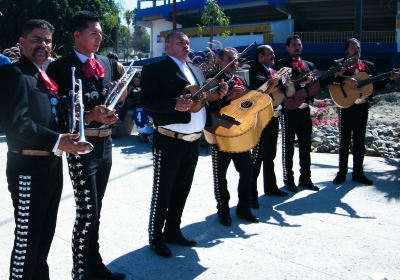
374	133
323	149
369	138
372	153
379	143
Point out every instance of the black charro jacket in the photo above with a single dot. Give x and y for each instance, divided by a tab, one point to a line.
162	82
29	112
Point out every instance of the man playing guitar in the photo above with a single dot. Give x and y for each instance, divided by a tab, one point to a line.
265	152
297	121
353	120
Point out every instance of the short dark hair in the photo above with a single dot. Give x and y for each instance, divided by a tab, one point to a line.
292	37
174	34
222	52
349	41
35	23
80	20
112	55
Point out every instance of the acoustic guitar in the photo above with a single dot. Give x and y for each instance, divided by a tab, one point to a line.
345	96
277	94
237	127
292	103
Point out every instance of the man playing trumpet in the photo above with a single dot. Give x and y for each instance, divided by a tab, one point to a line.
89	172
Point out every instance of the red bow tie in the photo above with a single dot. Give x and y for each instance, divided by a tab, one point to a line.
271	72
93	68
49	83
297	63
359	66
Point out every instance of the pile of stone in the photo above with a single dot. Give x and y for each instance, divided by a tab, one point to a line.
383	130
381	140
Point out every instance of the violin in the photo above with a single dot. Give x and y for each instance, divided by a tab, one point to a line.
199	95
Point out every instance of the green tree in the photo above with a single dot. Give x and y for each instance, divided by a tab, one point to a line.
213	15
125	41
141	39
57	12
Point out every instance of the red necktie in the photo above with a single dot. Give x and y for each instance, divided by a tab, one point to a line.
49	83
93	68
297	63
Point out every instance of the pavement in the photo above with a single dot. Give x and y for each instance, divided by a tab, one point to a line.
348	231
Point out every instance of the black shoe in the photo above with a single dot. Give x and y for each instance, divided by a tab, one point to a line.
106	274
161	249
247	215
340	178
225	219
291	187
361	178
276	192
179	239
254	203
309	186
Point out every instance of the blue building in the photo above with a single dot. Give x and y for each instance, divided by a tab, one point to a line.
324	25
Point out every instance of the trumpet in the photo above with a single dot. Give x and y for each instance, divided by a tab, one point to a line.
113	97
76	101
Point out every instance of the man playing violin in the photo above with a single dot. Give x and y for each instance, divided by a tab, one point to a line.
297	121
221	160
175	141
264	153
353	120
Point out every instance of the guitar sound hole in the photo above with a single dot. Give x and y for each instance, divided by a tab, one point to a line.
246	104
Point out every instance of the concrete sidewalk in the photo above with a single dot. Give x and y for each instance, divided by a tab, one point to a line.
341	232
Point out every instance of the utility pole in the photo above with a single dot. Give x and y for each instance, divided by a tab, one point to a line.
358	19
174	15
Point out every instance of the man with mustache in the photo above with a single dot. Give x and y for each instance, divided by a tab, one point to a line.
264	153
30	116
297	121
89	172
353	120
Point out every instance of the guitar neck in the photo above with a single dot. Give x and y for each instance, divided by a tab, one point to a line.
216	88
373	79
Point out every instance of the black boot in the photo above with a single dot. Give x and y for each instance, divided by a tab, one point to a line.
361	178
340	178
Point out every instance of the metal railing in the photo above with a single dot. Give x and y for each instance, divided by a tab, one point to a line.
143	4
342	36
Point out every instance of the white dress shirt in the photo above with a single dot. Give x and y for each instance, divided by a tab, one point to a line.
198	119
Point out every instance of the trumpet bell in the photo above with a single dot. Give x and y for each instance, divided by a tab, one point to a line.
84	144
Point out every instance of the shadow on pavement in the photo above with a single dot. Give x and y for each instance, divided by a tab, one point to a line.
185	263
325	201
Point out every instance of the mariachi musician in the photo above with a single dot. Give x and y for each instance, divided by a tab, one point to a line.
31	118
89	172
297	121
264	153
175	141
353	120
221	160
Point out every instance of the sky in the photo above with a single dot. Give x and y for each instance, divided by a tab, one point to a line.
128	4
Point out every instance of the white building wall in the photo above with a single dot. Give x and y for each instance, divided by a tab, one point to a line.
157	44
